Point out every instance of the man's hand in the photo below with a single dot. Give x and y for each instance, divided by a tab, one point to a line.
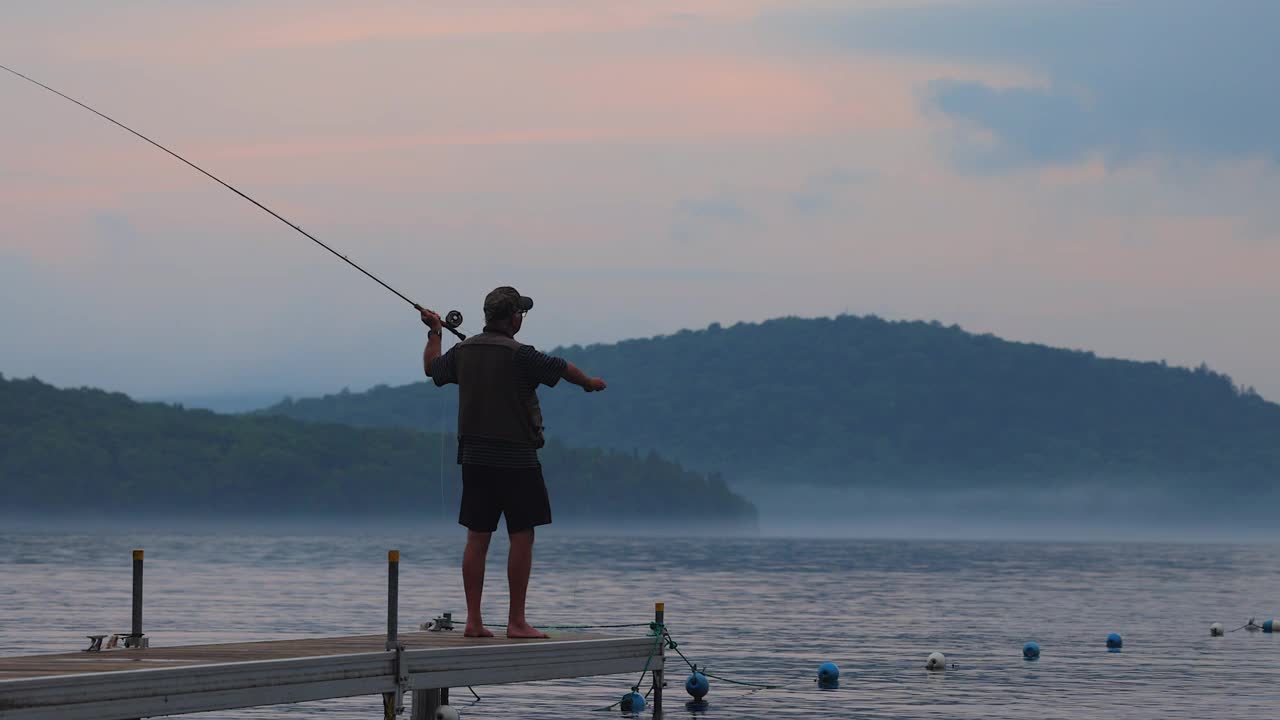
430	318
575	375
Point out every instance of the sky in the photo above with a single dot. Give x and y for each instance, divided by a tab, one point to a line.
1090	175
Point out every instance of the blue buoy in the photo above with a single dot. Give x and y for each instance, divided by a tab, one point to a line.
697	685
828	675
1031	651
1114	641
632	702
1269	626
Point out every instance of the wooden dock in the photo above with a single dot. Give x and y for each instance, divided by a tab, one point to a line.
141	681
156	681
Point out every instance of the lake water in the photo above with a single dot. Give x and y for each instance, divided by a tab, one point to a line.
756	610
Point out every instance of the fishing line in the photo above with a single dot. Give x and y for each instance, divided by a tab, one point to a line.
443	512
454	314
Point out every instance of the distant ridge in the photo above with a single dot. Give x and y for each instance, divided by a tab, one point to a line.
65	450
865	402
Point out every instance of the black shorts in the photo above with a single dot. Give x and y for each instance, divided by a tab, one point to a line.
488	492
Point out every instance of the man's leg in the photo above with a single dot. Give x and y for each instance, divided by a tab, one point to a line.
519	565
473	559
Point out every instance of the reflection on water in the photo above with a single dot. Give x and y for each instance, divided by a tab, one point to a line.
757	610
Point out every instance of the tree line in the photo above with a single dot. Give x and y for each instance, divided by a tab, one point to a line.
86	448
862	401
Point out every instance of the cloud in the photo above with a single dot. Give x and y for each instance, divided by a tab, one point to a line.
716	209
822	191
1124	81
701	218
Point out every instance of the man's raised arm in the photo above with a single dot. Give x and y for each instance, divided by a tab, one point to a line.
432	350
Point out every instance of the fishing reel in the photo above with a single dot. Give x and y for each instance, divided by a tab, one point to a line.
452	320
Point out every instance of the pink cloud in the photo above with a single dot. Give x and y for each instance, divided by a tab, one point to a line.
210	30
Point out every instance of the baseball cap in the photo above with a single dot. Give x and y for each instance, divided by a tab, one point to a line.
504	302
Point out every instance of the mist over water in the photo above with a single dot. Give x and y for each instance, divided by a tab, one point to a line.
1084	512
756	609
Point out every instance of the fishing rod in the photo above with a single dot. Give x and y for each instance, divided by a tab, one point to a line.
451	321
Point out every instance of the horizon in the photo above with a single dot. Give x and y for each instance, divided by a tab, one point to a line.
1076	175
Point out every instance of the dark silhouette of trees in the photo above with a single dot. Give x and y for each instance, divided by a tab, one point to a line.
66	449
864	401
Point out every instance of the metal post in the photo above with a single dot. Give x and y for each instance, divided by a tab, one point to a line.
659	674
135	632
391	702
393	598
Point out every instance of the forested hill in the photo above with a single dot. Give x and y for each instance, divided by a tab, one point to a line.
64	450
860	400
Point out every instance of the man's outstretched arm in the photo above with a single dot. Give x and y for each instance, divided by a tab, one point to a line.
579	378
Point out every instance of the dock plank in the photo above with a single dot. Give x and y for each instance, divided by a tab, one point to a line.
118	660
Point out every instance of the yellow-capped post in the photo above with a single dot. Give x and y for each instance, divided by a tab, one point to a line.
135	632
393	598
391	702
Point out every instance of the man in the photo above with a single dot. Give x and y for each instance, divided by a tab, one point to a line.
499	433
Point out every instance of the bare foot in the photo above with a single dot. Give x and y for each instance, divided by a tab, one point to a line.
524	630
477	631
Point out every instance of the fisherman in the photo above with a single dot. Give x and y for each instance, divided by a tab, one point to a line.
499	433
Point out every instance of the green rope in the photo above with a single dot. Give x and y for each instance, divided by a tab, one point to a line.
671	643
757	686
584	627
594	627
659	632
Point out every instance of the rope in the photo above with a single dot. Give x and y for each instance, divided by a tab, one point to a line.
583	627
694	668
659	632
661	635
593	627
1249	624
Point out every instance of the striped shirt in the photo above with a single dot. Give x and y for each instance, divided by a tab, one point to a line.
532	369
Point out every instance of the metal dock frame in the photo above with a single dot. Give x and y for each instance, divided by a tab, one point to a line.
127	694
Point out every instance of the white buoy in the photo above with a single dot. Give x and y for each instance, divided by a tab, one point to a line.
446	712
937	661
1216	630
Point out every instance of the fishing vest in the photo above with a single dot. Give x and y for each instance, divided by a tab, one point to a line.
491	403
